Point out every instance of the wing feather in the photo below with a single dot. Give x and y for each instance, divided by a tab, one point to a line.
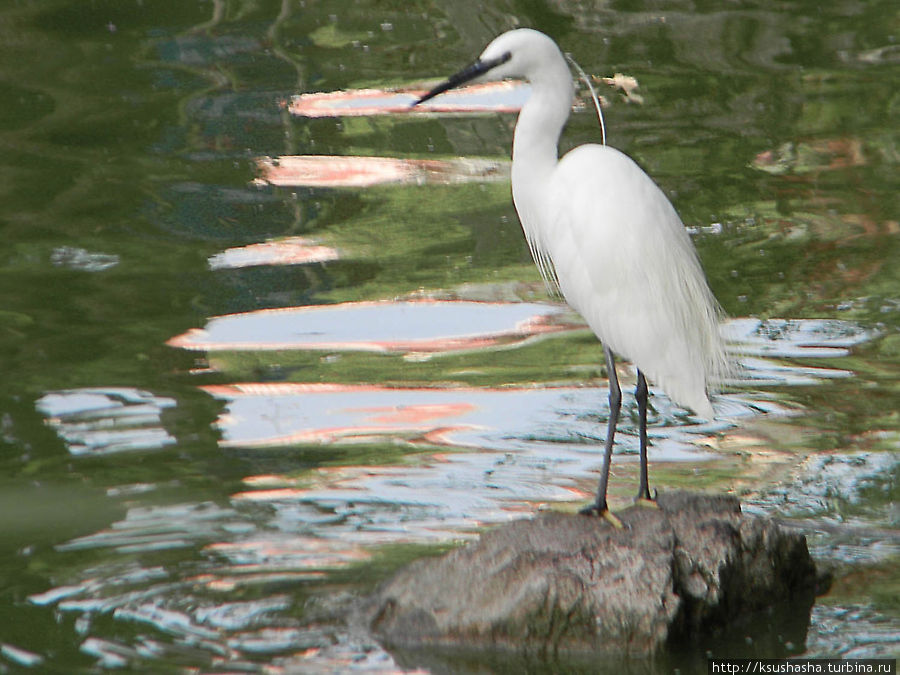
623	260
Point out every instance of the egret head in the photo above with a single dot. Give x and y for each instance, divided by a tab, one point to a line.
521	53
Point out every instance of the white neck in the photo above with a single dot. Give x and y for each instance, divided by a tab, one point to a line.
536	138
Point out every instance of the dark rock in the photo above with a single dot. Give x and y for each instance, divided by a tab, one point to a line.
574	584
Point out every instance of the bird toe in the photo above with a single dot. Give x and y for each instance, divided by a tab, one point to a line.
602	511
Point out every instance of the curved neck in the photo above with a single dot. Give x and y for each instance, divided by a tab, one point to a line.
541	121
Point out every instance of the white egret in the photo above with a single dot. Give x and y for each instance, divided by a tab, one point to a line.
604	235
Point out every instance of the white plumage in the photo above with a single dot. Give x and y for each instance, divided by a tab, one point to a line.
604	234
627	265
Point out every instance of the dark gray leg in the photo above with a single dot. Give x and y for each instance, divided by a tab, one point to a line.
615	402
641	394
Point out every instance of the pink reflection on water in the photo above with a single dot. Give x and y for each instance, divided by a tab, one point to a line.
287	251
354	171
814	156
423	326
552	419
431	421
488	97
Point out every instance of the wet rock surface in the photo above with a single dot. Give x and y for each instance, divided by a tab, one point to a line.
564	583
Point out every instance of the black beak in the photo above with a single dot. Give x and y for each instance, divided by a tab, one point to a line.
465	75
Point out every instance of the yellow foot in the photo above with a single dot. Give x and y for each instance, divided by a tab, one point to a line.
643	501
602	512
612	519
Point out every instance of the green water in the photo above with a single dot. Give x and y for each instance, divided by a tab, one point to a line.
129	133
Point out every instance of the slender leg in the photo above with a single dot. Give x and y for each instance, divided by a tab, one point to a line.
599	507
641	393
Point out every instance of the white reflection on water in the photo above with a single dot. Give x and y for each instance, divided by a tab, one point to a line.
851	632
97	421
158	528
796	338
823	478
832	493
408	326
22	657
505	419
81	259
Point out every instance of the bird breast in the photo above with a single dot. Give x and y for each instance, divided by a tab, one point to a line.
625	262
